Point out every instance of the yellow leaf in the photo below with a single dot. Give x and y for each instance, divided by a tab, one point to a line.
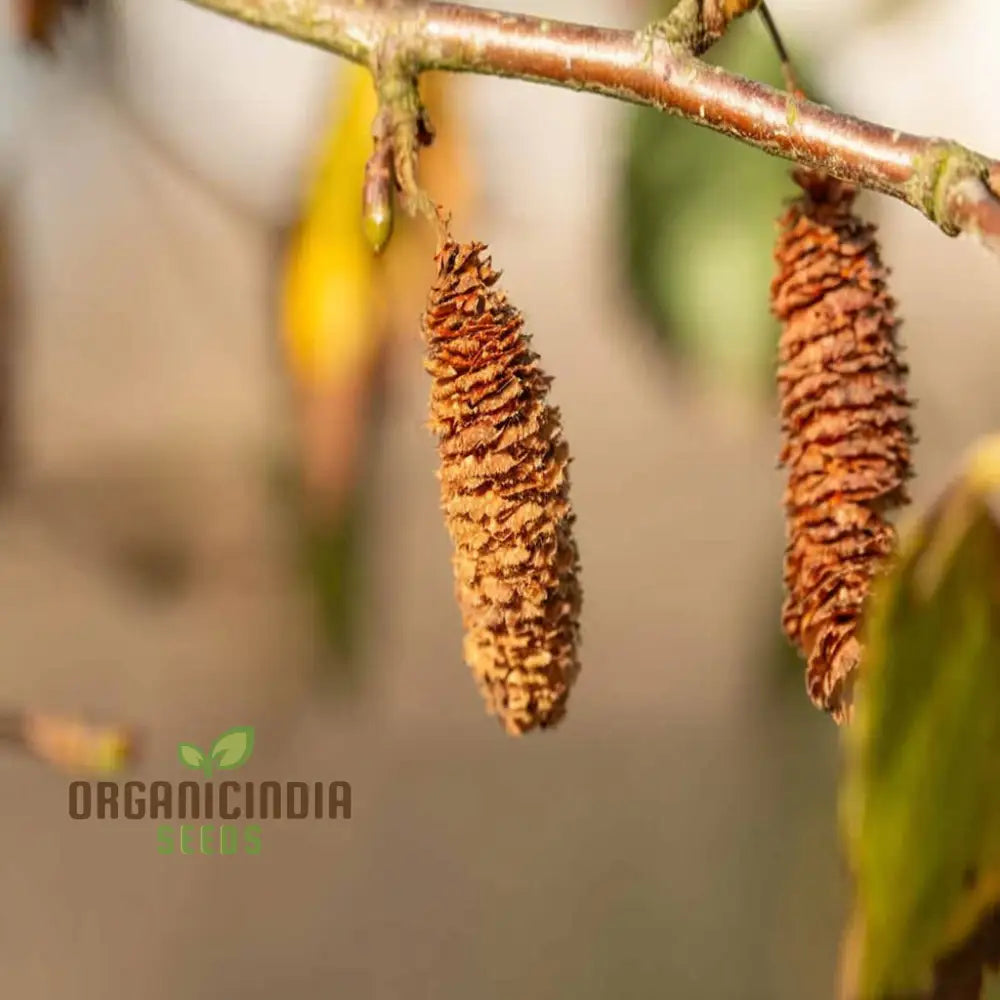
328	325
76	746
340	301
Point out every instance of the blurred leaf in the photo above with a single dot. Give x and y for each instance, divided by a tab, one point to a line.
38	20
330	270
340	301
333	338
920	805
74	745
879	11
333	552
328	550
699	224
343	307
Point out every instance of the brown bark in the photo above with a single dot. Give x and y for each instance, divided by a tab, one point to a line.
947	182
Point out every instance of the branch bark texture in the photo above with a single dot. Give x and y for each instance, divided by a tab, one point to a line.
955	187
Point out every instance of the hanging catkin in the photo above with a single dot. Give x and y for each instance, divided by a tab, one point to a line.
845	424
504	491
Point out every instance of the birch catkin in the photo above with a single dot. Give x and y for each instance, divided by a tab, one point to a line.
504	491
845	424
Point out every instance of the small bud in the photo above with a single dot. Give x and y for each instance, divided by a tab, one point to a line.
377	197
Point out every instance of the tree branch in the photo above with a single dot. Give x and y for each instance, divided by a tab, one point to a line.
956	188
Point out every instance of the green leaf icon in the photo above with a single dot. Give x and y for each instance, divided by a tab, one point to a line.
191	756
233	748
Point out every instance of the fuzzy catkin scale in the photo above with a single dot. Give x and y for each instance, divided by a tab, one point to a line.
504	492
845	425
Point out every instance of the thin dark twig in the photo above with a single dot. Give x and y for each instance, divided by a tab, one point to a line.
787	69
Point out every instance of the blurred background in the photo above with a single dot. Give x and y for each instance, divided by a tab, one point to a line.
219	508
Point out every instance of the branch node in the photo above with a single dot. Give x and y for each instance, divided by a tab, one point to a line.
694	26
938	174
408	128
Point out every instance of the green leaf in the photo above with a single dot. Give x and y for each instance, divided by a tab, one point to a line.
991	989
332	555
333	564
921	796
233	748
699	215
191	756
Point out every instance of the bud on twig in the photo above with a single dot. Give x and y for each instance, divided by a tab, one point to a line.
376	195
846	427
504	490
